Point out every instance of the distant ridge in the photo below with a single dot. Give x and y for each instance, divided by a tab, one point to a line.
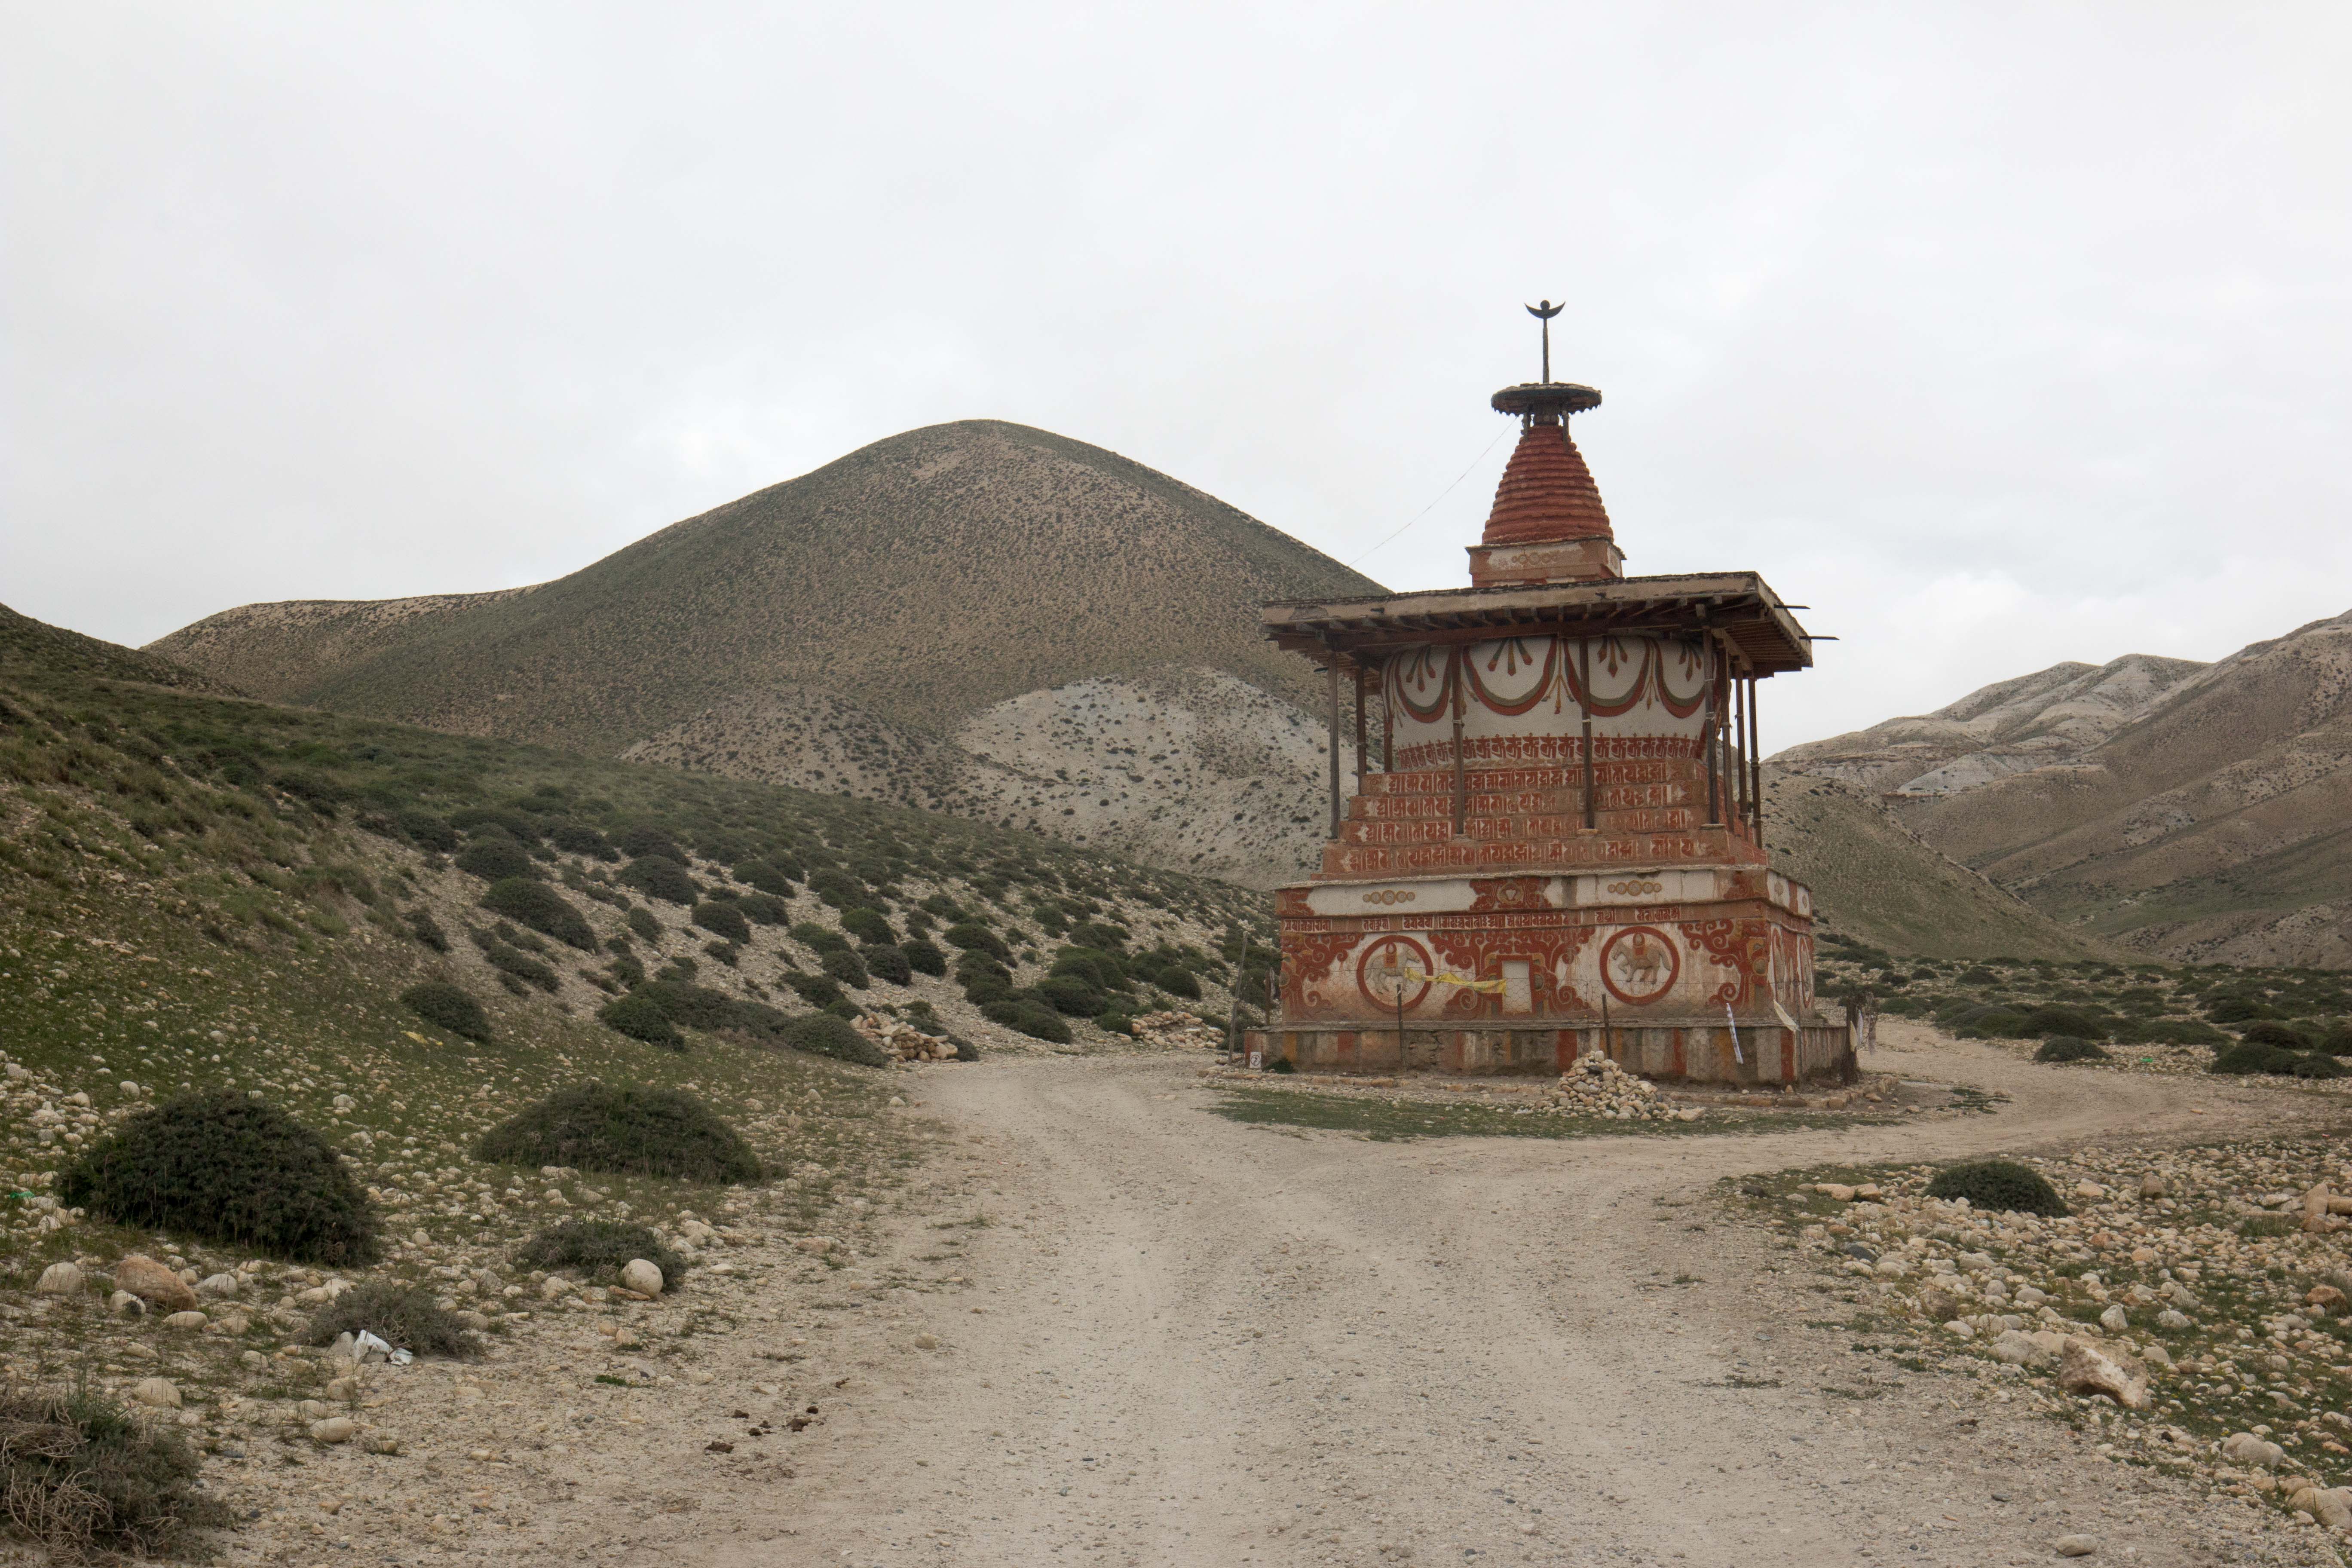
922	578
28	645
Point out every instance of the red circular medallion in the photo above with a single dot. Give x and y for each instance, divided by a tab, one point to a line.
1639	965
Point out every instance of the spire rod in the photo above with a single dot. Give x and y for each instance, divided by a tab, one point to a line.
1544	311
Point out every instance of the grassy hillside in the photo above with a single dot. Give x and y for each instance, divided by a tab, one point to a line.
922	578
1874	880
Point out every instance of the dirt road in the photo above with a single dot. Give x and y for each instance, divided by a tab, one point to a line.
1208	1343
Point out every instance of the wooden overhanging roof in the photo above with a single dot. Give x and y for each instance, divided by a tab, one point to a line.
1739	606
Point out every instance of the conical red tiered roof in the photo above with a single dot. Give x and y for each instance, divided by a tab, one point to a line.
1547	492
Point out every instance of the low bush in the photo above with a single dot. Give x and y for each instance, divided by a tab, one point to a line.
2287	1036
643	921
659	877
2170	1032
887	961
1029	1016
1177	980
2337	1041
1100	934
1998	1184
2317	1065
447	1007
974	937
644	839
2070	1048
1116	1022
1100	970
1991	1023
1071	993
922	957
641	1019
228	1169
492	857
509	960
405	1317
542	909
683	1002
513	824
816	990
766	875
965	1050
2063	1022
824	1034
645	1132
818	938
80	1474
599	1248
2233	1009
845	967
839	889
868	926
2252	1056
764	909
426	930
724	920
579	838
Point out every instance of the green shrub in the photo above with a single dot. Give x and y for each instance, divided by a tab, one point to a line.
599	1249
405	1317
446	1007
643	921
868	926
1177	980
724	918
965	1050
228	1169
645	1132
642	1019
1998	1184
816	990
2068	1048
1992	1024
1029	1016
579	838
839	889
1116	1022
683	1002
2233	1009
945	907
493	859
1101	971
1281	1064
542	909
824	1034
974	937
2317	1065
844	966
2053	1023
426	930
922	957
889	962
2287	1036
427	831
508	960
2170	1032
646	839
819	939
2254	1058
1071	993
513	824
1100	934
764	909
2337	1041
80	1474
659	877
765	876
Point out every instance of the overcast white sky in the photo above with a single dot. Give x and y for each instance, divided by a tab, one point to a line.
1997	334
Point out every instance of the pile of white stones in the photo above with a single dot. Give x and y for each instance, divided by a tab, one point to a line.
1179	1029
903	1040
1596	1086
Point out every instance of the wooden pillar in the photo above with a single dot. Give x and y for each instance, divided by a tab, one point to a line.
1461	774
1362	760
1739	750
1332	673
1584	706
1710	734
1387	719
1756	767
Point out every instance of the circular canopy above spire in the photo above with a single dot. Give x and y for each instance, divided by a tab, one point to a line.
1547	400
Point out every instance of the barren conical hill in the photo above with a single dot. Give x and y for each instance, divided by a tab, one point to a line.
923	577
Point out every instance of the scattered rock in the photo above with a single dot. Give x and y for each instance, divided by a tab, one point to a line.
2085	1369
2018	1349
927	1342
2075	1545
2114	1319
188	1322
2245	1448
2151	1186
2327	1296
154	1283
219	1285
2089	1190
334	1429
124	1304
2174	1318
160	1392
60	1279
644	1277
2330	1506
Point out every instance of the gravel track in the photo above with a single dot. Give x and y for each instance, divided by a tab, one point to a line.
1211	1343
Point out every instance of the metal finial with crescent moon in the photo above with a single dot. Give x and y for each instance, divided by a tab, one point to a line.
1544	311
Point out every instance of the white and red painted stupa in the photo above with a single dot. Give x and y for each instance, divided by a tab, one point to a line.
1554	843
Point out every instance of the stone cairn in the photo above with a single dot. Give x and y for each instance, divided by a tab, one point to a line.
902	1040
1178	1029
1596	1086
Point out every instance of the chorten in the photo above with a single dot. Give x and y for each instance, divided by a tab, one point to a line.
1555	844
